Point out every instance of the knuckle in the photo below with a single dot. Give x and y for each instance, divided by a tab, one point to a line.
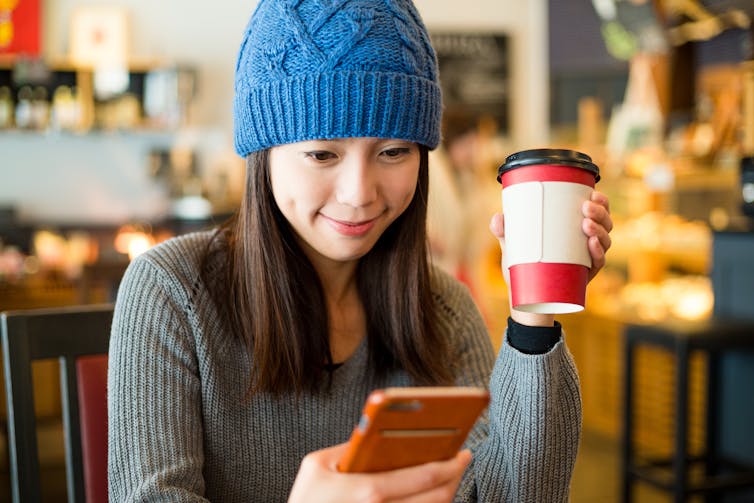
309	461
430	479
447	493
372	494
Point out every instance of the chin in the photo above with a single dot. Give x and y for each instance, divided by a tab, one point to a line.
346	254
347	257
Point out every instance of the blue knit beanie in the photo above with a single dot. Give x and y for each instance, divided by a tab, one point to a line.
309	70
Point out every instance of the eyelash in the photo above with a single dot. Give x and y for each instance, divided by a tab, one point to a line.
393	153
320	155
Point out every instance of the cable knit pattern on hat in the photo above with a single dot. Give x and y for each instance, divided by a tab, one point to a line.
312	69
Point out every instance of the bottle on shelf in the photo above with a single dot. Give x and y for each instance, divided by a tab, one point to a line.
6	108
64	115
40	108
23	114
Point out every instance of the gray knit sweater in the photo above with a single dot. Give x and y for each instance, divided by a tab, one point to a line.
180	428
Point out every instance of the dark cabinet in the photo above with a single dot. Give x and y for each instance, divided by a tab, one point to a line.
733	284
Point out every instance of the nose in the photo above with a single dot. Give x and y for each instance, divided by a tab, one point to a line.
357	184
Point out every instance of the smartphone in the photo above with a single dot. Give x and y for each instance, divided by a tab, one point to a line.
402	427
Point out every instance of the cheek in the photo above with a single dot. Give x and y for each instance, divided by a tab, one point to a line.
408	195
294	192
403	188
280	192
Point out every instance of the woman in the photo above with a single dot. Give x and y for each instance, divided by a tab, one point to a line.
240	359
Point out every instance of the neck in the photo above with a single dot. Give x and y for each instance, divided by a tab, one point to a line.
338	279
344	308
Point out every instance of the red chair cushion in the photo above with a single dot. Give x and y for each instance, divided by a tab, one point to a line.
92	391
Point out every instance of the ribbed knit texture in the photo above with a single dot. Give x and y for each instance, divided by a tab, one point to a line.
313	70
181	430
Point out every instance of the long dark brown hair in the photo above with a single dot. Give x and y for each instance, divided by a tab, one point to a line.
274	300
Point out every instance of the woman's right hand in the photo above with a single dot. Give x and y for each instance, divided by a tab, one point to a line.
319	480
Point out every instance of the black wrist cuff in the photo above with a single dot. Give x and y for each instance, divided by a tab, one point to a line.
533	340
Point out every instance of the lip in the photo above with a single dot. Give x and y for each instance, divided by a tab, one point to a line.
351	229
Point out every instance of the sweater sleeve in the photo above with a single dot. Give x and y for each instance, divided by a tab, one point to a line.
524	448
534	428
155	448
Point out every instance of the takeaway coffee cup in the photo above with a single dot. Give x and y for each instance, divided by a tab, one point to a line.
546	249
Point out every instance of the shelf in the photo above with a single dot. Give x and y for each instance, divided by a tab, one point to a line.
145	132
65	65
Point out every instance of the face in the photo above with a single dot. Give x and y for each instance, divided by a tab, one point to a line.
340	195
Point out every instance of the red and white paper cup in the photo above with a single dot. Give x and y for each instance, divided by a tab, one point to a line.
546	249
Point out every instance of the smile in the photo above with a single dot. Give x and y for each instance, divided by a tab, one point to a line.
351	229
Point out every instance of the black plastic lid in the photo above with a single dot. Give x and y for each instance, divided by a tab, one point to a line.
562	157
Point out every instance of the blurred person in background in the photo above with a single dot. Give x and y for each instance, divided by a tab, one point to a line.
462	193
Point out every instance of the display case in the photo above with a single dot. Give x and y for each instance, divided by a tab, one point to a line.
38	96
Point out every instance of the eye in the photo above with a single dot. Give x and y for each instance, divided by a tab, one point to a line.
320	155
396	152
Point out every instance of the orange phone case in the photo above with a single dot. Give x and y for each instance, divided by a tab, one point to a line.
403	427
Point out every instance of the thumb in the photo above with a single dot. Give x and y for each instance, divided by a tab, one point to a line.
497	227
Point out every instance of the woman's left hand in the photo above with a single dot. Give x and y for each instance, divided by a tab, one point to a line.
597	225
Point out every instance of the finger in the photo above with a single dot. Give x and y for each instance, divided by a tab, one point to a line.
443	493
497	225
601	199
598	213
594	229
598	256
330	456
416	480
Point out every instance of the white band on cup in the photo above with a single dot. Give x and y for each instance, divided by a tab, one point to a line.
543	223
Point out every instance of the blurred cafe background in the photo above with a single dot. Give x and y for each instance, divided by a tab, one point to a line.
115	134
